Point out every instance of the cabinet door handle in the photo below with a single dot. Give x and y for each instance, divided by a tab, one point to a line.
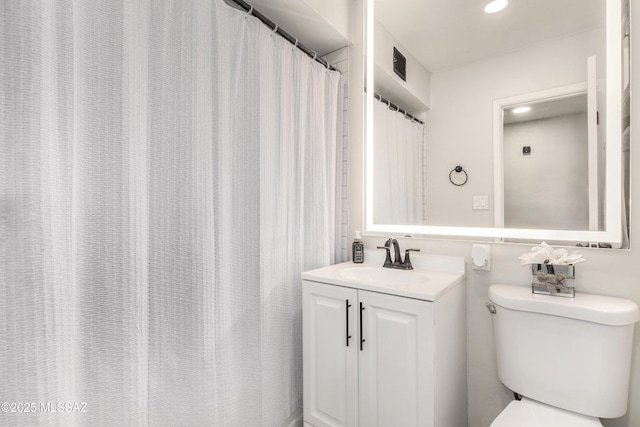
362	340
347	305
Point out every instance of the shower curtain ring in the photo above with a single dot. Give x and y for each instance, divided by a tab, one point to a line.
295	44
250	11
275	30
315	55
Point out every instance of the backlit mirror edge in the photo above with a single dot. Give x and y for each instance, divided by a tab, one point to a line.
613	197
368	146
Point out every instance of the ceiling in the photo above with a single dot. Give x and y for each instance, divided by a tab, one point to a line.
547	109
299	19
444	34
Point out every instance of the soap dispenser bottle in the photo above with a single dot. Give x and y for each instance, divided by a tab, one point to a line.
358	249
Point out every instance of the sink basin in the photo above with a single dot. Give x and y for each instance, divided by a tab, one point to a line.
386	276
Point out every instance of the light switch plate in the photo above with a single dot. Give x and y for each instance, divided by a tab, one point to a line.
480	203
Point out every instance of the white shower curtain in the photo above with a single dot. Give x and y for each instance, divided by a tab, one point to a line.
167	170
399	165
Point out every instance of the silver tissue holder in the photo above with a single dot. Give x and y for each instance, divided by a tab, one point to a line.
555	280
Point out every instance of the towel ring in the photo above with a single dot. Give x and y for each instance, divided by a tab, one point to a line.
460	178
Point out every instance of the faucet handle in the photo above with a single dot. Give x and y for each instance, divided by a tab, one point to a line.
387	260
407	260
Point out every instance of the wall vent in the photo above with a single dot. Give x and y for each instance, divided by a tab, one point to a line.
399	64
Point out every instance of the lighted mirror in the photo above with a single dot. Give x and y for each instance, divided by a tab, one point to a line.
532	103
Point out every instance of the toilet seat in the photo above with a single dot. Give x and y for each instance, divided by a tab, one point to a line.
529	413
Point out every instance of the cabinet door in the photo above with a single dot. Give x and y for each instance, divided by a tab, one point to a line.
330	358
396	362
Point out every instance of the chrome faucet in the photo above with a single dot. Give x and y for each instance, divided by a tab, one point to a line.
397	263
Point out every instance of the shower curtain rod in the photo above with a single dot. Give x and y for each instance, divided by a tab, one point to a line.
398	109
269	23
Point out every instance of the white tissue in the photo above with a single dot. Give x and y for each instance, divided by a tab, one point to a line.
545	254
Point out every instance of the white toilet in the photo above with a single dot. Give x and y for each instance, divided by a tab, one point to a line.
569	358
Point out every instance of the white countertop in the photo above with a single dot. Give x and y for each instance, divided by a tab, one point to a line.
422	283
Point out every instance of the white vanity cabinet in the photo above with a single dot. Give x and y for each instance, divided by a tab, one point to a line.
376	358
330	366
394	376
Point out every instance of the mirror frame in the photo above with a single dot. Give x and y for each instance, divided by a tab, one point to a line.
613	185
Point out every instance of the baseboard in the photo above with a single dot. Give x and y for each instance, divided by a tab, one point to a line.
294	420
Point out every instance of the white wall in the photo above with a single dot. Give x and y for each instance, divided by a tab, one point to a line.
335	12
459	123
547	189
339	59
356	135
607	272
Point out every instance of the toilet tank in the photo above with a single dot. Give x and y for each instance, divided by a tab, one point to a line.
571	353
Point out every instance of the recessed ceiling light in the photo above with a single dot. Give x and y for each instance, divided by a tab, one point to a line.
520	110
496	6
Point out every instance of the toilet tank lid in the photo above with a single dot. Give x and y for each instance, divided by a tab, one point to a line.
591	308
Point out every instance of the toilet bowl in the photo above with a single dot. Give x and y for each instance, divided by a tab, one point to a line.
549	350
529	413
